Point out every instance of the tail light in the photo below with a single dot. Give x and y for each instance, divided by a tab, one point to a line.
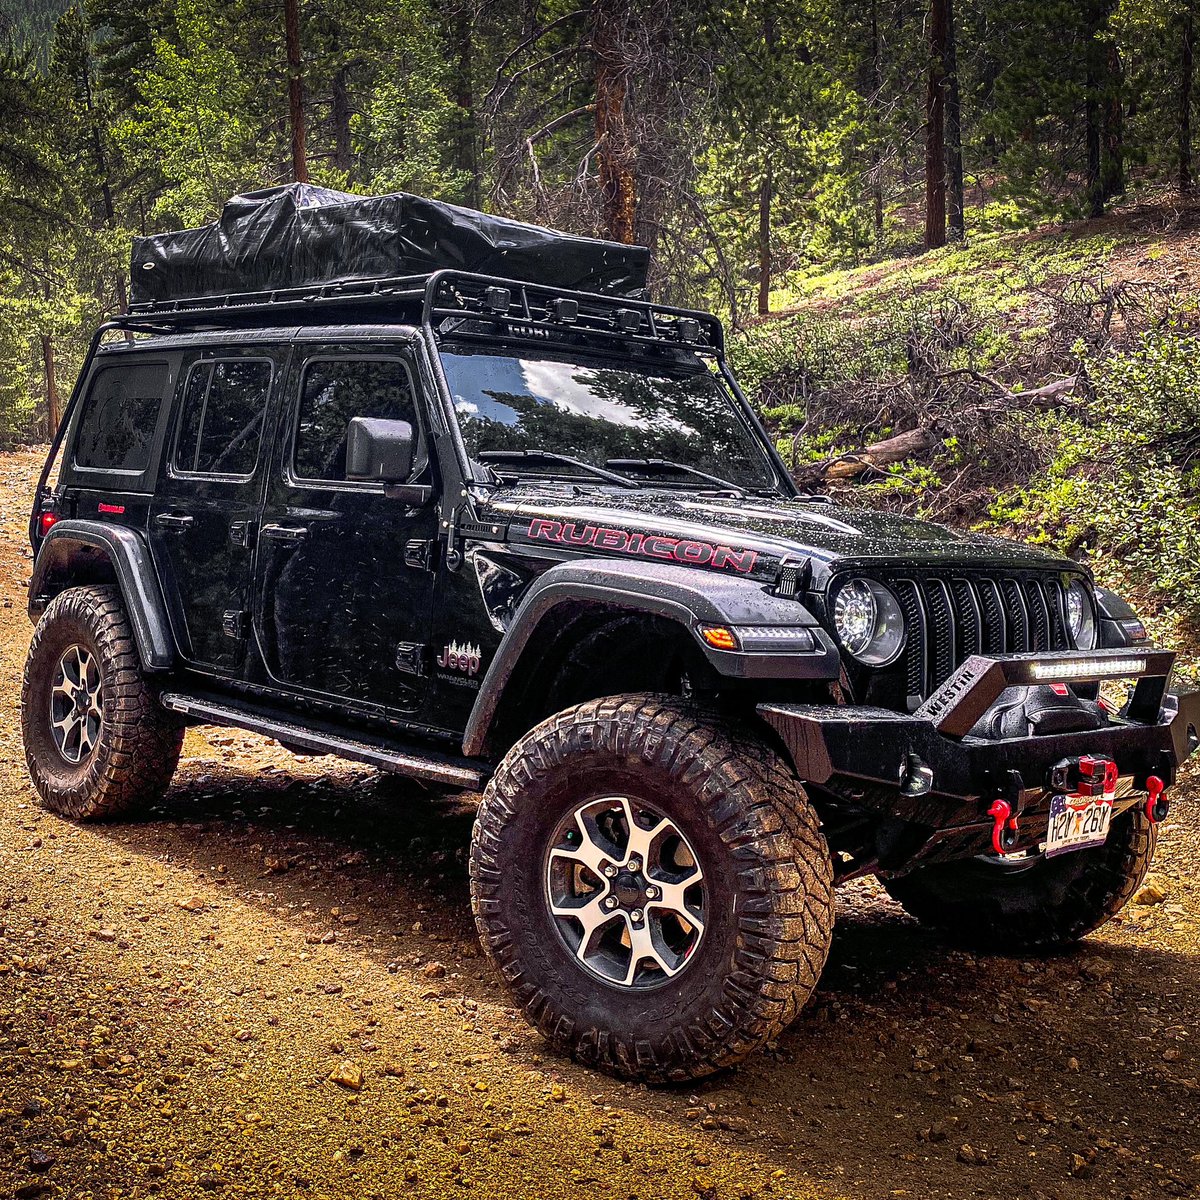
47	519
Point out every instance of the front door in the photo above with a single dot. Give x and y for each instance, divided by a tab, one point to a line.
205	508
343	581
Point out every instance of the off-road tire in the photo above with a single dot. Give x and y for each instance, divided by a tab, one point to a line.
139	741
763	855
1049	904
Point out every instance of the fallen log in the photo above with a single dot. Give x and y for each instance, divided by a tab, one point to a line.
882	454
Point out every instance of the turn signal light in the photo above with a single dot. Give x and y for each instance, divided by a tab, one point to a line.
719	637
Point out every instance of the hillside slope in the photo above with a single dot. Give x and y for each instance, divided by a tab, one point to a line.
1043	384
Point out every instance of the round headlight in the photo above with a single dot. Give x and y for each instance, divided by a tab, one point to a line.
1081	615
868	621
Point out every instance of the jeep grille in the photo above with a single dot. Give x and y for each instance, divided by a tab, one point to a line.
949	618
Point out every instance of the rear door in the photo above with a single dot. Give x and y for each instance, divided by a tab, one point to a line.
344	584
204	515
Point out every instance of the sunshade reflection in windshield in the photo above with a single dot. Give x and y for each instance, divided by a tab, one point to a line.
596	412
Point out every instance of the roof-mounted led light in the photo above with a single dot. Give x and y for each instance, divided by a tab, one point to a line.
628	320
497	299
688	329
564	310
1085	668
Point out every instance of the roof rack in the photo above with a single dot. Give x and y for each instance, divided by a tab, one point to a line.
451	302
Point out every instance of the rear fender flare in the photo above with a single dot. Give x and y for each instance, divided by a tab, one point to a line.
126	552
686	595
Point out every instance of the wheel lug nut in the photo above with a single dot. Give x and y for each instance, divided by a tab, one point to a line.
652	893
635	864
636	915
610	871
611	902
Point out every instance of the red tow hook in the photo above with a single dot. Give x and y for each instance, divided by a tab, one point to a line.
1004	827
1157	805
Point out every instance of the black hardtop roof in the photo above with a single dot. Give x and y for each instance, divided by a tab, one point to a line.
256	335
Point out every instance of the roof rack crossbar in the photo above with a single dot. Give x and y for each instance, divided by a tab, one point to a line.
449	294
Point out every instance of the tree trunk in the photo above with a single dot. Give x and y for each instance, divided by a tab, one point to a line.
1112	166
291	22
339	111
954	158
466	150
877	89
1095	192
51	379
1183	125
764	243
614	153
935	127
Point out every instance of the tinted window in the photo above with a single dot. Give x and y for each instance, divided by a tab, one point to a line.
333	391
119	416
662	423
224	407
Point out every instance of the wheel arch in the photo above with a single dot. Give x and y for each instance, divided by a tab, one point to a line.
662	606
74	553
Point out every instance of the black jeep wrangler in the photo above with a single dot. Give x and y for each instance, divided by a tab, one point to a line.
516	537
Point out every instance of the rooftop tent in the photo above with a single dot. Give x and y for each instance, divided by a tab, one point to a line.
299	235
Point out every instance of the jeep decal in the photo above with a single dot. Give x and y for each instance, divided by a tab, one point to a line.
683	550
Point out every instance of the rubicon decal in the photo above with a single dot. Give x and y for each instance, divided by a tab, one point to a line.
648	545
463	658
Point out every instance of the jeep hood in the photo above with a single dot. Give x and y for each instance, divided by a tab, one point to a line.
757	532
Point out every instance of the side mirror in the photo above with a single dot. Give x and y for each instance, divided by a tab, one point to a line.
381	451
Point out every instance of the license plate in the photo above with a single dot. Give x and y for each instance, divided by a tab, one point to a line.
1077	822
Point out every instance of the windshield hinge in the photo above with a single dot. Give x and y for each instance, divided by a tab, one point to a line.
460	528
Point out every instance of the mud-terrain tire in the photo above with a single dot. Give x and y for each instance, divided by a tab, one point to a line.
1042	904
134	742
746	827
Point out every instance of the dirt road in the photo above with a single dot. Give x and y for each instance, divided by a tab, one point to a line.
176	993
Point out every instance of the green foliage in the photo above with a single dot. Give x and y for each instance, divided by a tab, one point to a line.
1125	485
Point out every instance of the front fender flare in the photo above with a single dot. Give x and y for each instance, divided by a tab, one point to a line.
129	556
687	595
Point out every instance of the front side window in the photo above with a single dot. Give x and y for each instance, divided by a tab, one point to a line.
671	422
119	416
331	393
224	407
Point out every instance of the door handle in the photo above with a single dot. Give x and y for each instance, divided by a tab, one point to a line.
292	534
176	521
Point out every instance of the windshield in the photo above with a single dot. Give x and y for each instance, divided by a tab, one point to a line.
660	424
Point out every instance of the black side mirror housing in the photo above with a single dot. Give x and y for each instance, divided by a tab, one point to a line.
379	450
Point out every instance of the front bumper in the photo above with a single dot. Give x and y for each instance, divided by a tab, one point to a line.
927	769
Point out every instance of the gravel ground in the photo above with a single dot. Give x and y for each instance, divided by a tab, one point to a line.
269	986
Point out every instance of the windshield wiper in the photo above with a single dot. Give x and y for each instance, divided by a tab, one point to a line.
516	456
667	465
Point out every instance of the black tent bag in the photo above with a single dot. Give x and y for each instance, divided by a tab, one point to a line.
299	235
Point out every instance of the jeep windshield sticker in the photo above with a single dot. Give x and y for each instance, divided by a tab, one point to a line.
652	545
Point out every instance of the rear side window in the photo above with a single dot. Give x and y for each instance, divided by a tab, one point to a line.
116	427
333	391
220	427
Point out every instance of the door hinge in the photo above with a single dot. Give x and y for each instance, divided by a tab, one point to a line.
410	658
234	623
418	553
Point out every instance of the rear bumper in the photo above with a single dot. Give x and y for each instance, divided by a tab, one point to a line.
927	769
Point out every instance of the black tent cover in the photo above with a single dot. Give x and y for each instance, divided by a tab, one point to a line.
299	235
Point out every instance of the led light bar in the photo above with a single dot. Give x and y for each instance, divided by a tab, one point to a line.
775	639
1111	668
